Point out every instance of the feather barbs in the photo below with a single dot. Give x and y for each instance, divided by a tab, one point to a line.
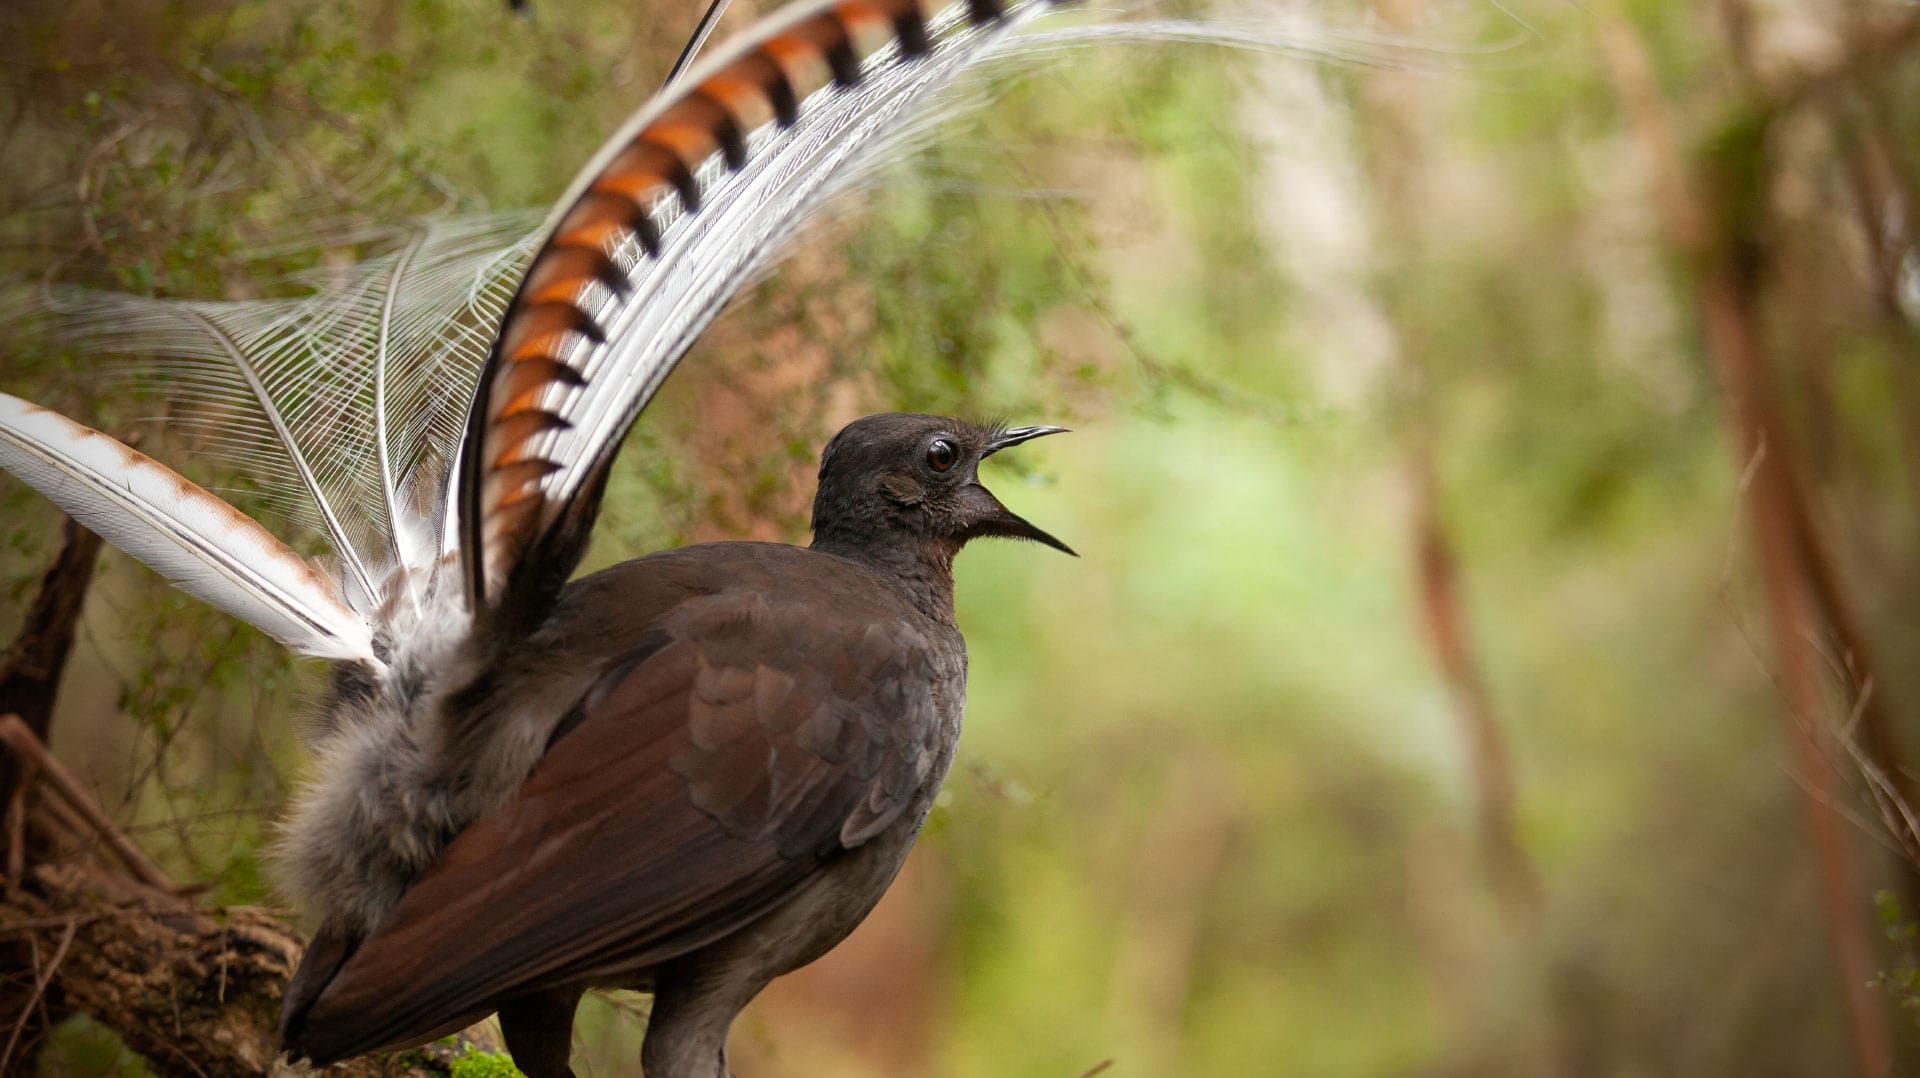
205	546
555	389
346	405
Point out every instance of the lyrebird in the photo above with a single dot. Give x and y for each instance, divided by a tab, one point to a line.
689	773
686	773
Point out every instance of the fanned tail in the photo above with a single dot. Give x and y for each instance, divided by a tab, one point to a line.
435	382
385	411
345	405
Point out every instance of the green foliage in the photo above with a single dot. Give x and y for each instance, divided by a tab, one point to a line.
1902	983
82	1046
477	1064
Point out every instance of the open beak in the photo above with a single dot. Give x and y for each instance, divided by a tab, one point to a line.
1014	526
1004	521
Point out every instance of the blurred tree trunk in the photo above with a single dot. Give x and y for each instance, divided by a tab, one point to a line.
1713	224
1399	161
29	678
30	670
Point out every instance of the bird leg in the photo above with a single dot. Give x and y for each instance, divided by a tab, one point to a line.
539	1031
687	1029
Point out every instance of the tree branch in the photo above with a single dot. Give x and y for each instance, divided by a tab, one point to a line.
195	990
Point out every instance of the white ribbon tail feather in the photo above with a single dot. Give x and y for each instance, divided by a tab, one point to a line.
194	539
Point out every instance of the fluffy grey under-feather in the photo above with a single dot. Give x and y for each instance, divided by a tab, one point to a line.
407	760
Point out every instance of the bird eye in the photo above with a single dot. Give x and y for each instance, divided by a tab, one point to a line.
941	454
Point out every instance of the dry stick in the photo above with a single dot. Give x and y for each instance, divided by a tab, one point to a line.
16	819
15	735
63	824
1729	324
36	924
40	982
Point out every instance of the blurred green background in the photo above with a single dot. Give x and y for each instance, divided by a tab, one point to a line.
1414	707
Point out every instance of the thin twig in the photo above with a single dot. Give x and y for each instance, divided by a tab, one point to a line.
17	823
36	924
39	989
15	735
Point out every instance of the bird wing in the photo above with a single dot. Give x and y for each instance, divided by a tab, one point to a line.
691	790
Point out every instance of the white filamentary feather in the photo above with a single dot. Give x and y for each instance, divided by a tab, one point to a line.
341	404
211	550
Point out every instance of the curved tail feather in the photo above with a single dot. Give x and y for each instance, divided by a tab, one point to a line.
673	215
199	542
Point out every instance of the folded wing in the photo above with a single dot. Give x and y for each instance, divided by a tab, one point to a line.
697	784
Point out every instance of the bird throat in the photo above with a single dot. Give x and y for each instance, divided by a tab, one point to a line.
920	571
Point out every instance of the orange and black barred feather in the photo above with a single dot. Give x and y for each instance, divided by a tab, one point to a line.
525	461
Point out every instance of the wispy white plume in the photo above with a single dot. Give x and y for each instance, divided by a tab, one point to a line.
341	402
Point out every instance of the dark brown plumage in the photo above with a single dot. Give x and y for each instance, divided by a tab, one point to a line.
764	730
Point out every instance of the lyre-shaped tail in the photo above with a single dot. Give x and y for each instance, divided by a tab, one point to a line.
199	542
337	400
676	212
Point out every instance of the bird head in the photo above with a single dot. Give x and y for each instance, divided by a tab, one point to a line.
902	477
